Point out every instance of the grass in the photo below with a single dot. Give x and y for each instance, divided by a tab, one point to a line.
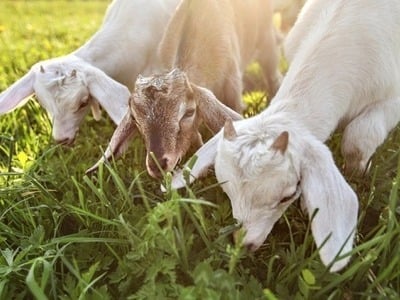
64	235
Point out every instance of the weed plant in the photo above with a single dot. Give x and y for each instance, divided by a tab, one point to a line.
114	235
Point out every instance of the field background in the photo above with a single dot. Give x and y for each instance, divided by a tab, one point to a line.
116	236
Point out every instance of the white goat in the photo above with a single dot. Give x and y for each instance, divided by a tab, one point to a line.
345	72
100	72
207	44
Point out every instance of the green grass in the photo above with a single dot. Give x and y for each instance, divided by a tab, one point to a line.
116	236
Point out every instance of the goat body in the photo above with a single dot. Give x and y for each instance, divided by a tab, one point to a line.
209	43
100	72
213	42
344	72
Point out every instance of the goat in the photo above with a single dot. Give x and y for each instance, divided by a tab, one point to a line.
207	44
345	72
100	72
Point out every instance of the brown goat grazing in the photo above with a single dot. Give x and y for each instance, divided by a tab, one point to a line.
207	45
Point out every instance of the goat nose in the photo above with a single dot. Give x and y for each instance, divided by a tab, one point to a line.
156	168
160	163
163	163
251	247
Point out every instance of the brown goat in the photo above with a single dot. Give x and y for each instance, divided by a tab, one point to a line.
207	45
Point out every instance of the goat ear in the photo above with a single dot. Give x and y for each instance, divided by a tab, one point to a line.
120	139
111	95
229	130
205	158
281	142
211	110
17	94
327	195
96	111
189	89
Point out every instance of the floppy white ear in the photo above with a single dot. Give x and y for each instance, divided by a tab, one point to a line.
326	193
213	112
17	94
111	95
120	139
205	158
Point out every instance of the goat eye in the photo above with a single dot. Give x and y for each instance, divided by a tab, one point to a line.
83	104
189	113
295	193
288	198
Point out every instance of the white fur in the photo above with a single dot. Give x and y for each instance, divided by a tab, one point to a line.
104	68
345	71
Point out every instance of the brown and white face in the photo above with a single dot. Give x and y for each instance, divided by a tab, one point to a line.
164	109
167	109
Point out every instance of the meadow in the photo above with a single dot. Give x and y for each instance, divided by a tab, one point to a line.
115	235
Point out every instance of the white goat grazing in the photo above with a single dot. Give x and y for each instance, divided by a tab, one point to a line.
100	71
207	44
345	71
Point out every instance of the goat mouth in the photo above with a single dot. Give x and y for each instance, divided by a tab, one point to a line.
66	142
176	163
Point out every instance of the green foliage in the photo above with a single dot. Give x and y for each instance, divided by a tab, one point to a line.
114	235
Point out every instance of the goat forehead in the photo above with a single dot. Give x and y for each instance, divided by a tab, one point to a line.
252	154
159	106
242	187
157	109
255	170
167	83
61	83
54	68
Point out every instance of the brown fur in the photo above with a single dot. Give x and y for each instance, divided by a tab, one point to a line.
168	110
